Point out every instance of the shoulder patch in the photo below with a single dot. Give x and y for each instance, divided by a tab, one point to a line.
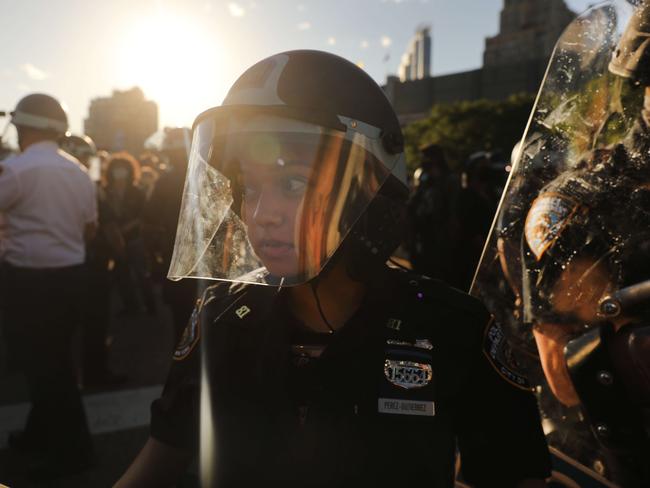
547	216
191	335
500	356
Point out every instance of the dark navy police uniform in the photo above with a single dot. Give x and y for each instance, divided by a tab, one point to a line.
419	371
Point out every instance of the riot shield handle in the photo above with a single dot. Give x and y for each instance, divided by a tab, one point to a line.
613	305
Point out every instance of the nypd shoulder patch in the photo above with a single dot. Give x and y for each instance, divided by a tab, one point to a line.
500	356
547	216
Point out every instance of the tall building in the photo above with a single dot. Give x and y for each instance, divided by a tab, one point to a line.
122	121
416	61
514	61
528	30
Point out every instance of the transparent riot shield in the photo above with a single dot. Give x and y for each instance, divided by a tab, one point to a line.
569	232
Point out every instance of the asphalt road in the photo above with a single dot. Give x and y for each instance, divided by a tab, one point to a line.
141	349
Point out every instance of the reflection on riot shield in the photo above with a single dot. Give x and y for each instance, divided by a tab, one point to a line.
566	269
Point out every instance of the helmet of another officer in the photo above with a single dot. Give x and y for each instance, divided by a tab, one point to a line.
302	162
40	112
81	147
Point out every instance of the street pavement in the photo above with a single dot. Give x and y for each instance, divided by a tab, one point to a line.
141	348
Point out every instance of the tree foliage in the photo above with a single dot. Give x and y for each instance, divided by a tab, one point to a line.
463	128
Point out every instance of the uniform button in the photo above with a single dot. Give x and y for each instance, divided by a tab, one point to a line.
605	378
602	430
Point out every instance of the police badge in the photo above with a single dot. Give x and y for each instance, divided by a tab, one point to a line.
407	374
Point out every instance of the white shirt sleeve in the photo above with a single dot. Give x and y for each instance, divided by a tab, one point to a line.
9	187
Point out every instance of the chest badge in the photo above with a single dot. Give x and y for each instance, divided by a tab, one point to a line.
407	374
395	324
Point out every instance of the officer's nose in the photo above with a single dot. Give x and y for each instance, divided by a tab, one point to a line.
268	211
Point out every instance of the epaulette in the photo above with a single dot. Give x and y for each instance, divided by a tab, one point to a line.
239	304
214	301
428	289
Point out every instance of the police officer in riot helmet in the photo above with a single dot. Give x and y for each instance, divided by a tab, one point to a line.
587	250
322	366
50	207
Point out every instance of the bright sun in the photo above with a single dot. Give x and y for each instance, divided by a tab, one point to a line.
176	64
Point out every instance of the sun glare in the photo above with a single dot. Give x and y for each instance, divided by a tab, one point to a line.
176	63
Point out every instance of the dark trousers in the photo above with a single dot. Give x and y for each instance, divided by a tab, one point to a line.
42	311
95	320
133	277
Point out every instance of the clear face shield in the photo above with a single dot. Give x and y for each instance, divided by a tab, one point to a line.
269	199
568	234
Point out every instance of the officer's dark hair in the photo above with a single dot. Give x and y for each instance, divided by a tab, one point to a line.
375	235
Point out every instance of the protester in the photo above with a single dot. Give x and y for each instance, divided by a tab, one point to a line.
126	202
147	183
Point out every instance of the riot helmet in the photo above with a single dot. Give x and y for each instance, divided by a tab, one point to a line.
302	161
81	147
40	112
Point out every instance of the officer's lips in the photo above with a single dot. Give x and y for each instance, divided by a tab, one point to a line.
273	249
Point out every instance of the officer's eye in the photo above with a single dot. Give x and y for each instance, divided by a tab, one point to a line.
295	186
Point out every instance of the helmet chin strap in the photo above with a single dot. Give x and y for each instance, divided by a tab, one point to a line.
313	284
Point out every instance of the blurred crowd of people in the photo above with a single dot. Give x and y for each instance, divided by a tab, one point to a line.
450	213
138	201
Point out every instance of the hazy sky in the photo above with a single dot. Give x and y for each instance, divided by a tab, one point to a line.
186	53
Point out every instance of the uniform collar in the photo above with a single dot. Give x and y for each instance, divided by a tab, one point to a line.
42	146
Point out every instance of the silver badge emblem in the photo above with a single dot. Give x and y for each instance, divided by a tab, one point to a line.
407	374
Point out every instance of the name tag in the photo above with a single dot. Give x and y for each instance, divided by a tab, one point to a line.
406	407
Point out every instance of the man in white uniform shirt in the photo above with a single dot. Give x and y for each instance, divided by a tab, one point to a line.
49	203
